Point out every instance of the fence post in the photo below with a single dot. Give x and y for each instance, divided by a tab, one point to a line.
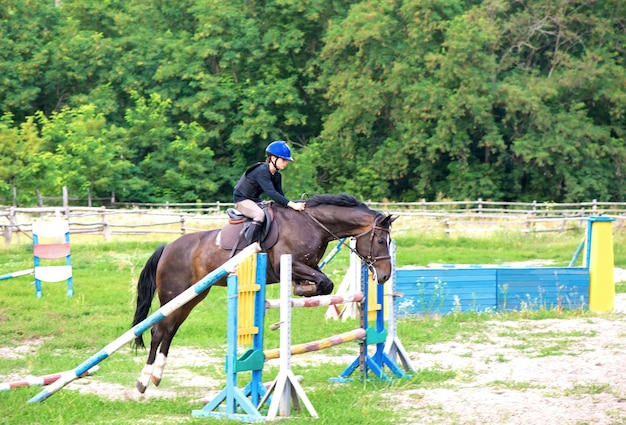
7	235
13	223
66	202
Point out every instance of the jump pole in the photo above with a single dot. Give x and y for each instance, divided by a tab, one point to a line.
40	380
322	344
206	282
17	274
318	301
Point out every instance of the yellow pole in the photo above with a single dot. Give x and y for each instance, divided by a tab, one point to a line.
600	262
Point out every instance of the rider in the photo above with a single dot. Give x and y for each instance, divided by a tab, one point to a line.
263	177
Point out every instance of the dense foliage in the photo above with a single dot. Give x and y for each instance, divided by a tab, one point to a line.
399	99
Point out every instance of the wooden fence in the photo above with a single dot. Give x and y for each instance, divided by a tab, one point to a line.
174	219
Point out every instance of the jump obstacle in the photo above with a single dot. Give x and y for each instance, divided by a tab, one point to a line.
255	390
244	404
228	267
452	288
46	246
40	380
351	310
52	251
599	292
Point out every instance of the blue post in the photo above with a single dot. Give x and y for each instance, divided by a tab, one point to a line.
374	336
68	262
332	253
231	394
37	262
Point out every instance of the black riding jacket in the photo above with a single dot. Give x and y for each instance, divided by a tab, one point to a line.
258	179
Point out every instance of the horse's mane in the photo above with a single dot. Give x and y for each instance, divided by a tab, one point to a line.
342	200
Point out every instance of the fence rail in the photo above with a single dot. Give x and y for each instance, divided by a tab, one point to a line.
180	218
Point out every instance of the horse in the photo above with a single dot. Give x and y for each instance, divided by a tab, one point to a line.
305	235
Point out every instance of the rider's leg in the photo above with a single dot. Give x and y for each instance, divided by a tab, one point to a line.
254	232
251	209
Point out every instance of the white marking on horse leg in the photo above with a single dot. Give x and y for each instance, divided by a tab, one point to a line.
144	379
159	365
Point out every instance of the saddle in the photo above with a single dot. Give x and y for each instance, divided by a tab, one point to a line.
232	236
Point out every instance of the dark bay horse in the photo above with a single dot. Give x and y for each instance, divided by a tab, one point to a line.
305	235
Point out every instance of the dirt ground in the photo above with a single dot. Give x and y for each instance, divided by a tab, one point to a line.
528	372
569	372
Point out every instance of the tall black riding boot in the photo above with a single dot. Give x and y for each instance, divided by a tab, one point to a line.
253	234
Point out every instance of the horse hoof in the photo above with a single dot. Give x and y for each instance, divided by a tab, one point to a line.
325	288
140	387
305	290
155	381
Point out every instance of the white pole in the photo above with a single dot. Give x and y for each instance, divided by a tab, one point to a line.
286	383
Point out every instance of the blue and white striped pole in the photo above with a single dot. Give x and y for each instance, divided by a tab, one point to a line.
228	267
16	274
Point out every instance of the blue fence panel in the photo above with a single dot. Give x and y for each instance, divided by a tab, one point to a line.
441	291
545	287
462	289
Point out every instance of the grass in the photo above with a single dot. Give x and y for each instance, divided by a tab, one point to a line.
56	333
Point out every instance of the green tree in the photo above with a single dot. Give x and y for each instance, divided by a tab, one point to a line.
24	163
561	102
26	27
86	156
359	54
175	162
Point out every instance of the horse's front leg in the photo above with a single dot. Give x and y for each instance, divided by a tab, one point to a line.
310	281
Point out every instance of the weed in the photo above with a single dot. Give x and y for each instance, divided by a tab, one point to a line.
587	389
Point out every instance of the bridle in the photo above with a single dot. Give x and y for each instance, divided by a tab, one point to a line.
368	259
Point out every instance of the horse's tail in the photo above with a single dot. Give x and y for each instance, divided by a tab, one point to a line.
146	287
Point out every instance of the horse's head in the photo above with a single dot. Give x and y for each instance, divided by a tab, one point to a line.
373	247
340	216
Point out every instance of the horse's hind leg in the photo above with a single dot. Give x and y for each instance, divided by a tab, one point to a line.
161	358
162	336
148	370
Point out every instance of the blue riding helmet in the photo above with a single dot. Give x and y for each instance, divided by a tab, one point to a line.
279	149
